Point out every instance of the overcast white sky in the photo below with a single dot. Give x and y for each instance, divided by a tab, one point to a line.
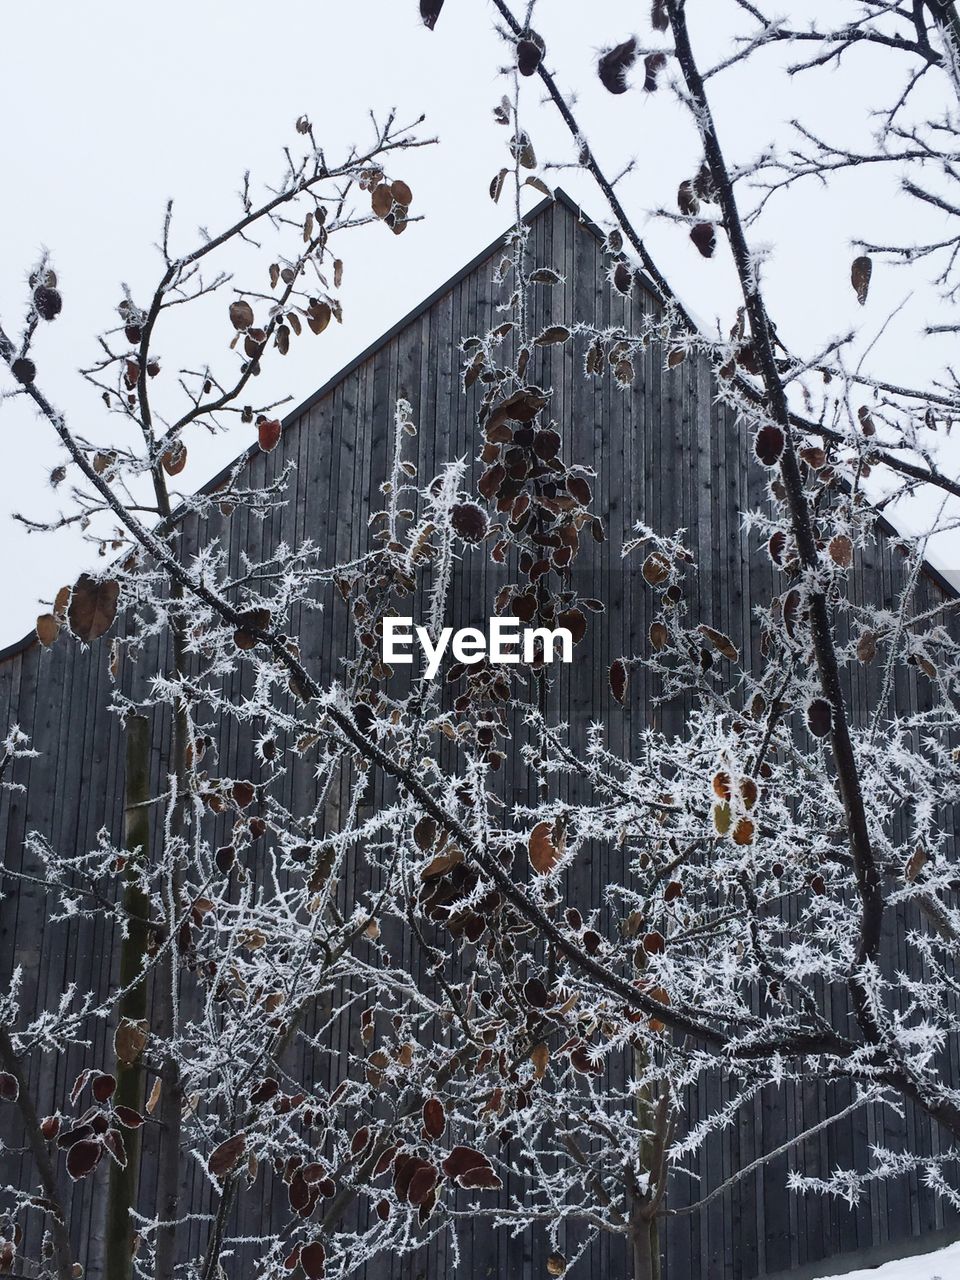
110	109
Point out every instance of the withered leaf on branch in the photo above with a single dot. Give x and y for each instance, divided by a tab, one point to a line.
544	854
723	644
915	863
103	1087
241	314
434	1117
555	334
83	1157
687	199
867	647
819	717
704	236
225	1158
860	274
24	370
656	569
575	622
470	521
313	1256
619	680
130	1040
175	459
470	1168
521	148
658	636
653	64
841	550
614	65
704	185
268	433
129	1118
530	51
425	833
768	445
430	12
622	278
48	628
93	607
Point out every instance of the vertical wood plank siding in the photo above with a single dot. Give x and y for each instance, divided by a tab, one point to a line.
663	452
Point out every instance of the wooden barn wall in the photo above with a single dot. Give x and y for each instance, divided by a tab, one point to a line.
664	453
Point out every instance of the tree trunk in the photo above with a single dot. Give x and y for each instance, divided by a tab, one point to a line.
122	1194
171	1095
645	1240
644	1228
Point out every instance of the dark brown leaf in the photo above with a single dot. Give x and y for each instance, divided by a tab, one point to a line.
841	551
656	569
530	51
241	314
469	521
93	607
83	1157
723	644
614	65
430	12
313	1256
422	1183
704	236
768	445
225	1158
175	459
658	636
579	490
103	1087
496	185
434	1117
575	622
550	337
619	680
867	647
114	1143
622	278
24	370
653	64
464	1163
544	854
819	718
48	628
129	1118
268	433
687	199
130	1040
860	273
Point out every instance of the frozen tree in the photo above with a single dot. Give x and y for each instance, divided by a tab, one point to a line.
768	846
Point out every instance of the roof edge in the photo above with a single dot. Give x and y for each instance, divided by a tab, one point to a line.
584	220
215	481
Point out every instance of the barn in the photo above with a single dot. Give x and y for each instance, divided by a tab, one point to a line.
665	452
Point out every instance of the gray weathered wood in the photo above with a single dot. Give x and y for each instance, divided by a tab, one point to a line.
663	452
